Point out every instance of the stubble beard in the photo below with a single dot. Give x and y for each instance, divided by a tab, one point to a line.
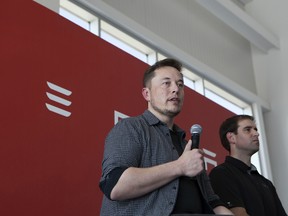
166	112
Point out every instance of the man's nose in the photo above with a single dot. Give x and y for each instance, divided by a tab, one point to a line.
256	132
175	87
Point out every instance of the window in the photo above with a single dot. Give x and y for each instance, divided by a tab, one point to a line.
125	42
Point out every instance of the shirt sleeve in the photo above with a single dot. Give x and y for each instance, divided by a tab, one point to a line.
122	150
279	206
208	192
107	184
226	187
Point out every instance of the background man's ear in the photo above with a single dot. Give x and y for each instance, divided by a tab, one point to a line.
230	137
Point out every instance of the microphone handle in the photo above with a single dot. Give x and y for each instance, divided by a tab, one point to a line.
195	140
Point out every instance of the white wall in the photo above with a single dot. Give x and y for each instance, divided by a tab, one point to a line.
51	4
271	73
194	30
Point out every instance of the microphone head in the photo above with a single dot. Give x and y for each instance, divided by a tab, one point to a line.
196	129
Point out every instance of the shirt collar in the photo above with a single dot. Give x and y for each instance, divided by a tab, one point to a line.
241	165
153	120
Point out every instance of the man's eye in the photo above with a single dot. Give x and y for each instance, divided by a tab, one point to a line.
180	85
248	129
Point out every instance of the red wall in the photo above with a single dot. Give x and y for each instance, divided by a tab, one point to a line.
51	164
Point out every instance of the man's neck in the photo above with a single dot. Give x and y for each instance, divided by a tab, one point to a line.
244	158
164	118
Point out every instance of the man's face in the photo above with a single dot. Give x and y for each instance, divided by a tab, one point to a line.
165	93
246	139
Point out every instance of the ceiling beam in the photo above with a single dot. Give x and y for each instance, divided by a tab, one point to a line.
245	1
241	22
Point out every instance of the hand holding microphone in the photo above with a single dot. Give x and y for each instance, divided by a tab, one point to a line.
193	162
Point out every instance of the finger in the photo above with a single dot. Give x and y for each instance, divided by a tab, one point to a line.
201	151
188	146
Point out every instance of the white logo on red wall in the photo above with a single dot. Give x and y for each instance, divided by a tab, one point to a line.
58	99
207	160
118	116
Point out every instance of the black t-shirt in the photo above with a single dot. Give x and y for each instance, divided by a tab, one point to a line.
240	186
189	199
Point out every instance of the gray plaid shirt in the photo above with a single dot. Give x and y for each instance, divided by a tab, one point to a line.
144	141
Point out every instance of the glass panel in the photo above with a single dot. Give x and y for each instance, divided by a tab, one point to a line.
73	18
123	46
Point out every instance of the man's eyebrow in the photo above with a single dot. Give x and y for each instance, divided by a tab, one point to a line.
250	126
168	78
247	127
180	80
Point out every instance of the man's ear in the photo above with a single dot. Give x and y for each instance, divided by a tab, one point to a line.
230	137
146	94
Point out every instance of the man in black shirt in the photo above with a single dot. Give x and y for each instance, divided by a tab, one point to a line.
236	181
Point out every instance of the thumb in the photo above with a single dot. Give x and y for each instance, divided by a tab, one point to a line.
188	146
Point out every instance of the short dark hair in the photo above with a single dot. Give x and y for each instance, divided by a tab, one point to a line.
150	72
231	125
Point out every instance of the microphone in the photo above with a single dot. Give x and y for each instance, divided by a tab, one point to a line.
195	131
